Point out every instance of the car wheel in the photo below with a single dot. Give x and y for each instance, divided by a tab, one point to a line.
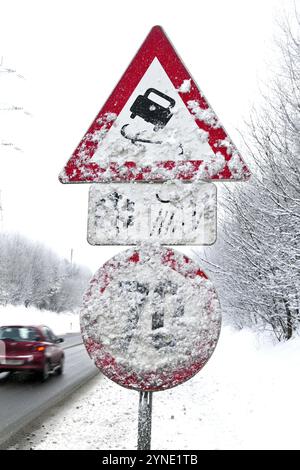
60	369
44	373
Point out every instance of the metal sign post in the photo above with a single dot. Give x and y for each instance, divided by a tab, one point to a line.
151	317
144	421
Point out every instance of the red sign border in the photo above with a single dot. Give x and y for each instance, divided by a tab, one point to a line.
106	362
80	169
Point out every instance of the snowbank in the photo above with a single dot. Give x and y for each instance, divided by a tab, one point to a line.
60	323
246	397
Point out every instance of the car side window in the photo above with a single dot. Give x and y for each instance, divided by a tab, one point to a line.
48	335
52	335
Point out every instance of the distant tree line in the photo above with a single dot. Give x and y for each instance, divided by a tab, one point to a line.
33	275
256	261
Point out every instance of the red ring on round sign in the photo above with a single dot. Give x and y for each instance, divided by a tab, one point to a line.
153	380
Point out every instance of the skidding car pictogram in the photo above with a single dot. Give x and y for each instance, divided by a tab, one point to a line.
151	111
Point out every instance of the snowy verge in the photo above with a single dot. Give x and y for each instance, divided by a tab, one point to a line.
60	323
246	397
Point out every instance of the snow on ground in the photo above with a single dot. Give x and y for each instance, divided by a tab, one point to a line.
246	397
60	323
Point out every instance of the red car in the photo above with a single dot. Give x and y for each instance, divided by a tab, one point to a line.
32	349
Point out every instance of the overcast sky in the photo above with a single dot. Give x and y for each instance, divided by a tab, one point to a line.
72	53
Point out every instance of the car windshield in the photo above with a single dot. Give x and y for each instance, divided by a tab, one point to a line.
18	333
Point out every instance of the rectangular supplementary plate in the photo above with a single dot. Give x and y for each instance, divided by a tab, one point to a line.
127	214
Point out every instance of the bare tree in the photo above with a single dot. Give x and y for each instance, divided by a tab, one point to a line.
257	259
7	106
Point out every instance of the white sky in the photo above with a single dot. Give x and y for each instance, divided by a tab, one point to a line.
72	54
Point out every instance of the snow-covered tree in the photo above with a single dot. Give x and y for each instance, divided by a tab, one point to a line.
31	274
257	259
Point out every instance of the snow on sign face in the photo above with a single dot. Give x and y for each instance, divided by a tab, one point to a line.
155	126
150	319
126	214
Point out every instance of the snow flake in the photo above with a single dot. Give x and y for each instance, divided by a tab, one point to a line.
236	166
206	115
185	87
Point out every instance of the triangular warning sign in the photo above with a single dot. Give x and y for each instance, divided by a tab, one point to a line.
155	126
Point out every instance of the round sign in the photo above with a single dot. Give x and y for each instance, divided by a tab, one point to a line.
150	319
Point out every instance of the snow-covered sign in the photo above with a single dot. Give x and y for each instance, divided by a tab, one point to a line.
129	214
150	318
155	126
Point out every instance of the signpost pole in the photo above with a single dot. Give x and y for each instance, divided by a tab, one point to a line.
129	215
144	421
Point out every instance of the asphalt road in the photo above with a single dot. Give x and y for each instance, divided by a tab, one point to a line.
23	398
